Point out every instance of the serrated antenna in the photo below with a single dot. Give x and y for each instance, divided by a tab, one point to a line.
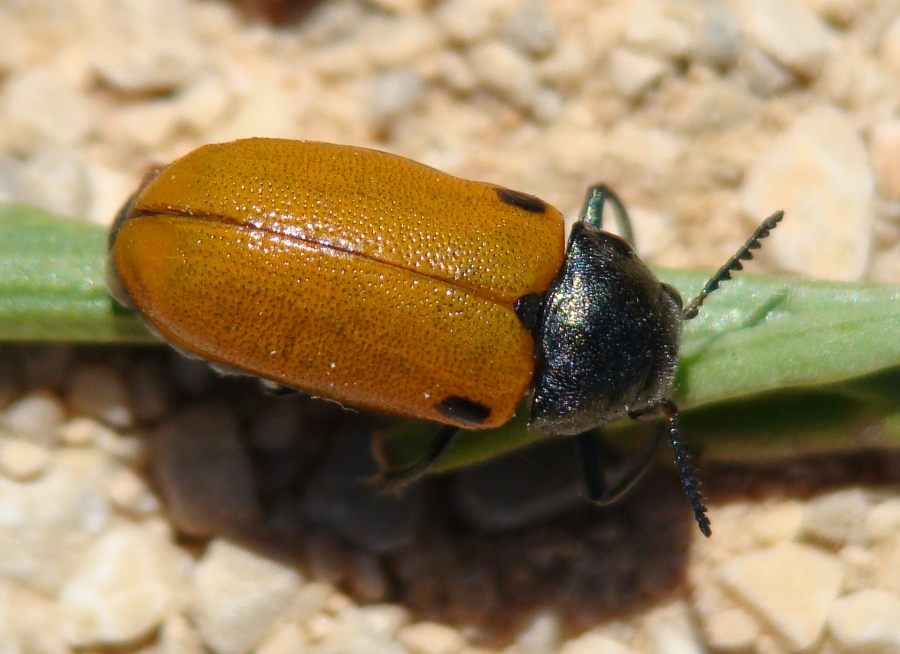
734	264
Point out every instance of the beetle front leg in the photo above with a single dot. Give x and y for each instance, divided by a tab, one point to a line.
393	481
590	459
594	203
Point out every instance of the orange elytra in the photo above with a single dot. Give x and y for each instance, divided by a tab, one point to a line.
382	283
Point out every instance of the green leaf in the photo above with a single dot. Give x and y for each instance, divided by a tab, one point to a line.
52	284
760	333
768	364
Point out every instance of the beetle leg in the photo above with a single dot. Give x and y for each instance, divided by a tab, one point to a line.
594	203
396	480
590	460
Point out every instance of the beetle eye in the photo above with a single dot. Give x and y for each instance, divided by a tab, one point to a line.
669	290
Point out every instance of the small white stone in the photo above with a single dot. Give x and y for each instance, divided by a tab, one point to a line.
594	643
122	590
547	106
825	187
125	448
568	64
867	622
471	20
654	28
395	94
142	46
765	77
776	523
265	107
839	12
883	521
394	43
18	44
8	629
852	80
837	517
730	630
333	21
239	596
890	46
530	29
47	524
631	143
789	586
860	564
56	179
886	266
29	622
148	125
205	100
289	638
388	618
36	417
353	630
108	188
669	630
884	152
130	494
633	74
100	392
716	33
320	626
456	72
505	72
887	553
338	60
311	599
179	636
399	6
338	602
22	460
430	638
542	634
652	231
10	181
40	107
788	32
733	518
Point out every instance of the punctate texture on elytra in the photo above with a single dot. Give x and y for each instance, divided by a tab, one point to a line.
349	273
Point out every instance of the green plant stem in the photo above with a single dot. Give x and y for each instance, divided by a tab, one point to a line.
52	283
794	350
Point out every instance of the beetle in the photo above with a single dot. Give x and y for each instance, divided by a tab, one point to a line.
381	283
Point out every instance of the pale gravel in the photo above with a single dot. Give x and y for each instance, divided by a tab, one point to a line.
704	115
101	544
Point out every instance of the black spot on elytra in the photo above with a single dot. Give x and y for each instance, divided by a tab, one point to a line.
521	200
463	410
